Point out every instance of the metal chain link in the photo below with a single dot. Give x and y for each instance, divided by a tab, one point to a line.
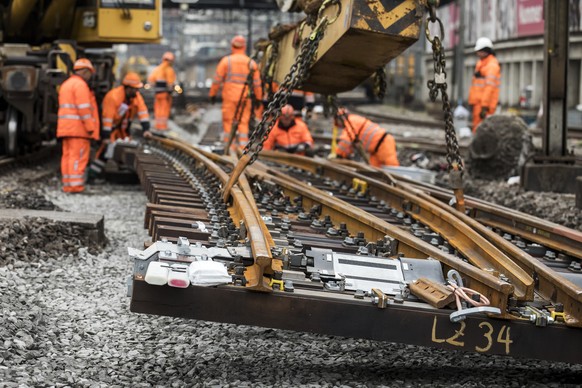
353	134
380	83
298	73
267	72
439	84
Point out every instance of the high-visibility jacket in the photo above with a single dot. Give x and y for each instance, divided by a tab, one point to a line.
78	115
288	139
378	143
232	72
118	113
163	77
484	90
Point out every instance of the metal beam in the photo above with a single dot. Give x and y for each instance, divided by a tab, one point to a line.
341	315
223	4
556	48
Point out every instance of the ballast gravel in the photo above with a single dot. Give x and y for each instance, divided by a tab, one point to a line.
65	322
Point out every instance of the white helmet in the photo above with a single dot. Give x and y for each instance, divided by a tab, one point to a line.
483	43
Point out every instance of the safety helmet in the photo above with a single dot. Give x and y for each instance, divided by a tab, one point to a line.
287	111
83	63
133	80
168	56
482	43
238	41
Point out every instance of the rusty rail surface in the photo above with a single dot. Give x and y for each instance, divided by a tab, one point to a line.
277	214
413	201
375	228
242	211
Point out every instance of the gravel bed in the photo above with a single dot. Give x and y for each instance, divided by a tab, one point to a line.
65	321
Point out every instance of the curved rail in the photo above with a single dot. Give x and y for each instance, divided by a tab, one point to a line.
243	211
461	230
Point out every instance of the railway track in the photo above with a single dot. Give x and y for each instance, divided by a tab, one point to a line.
349	250
7	163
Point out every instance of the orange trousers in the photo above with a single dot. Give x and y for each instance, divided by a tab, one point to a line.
386	154
228	111
476	119
76	152
162	108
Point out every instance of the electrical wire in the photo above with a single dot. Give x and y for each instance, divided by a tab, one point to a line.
465	294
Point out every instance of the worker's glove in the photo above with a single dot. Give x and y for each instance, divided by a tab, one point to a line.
310	152
122	109
147	134
145	126
483	112
301	147
212	100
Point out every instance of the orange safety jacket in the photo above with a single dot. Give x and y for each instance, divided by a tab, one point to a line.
232	72
374	139
484	90
117	113
163	78
78	115
288	139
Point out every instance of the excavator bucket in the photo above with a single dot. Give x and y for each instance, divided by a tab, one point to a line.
366	35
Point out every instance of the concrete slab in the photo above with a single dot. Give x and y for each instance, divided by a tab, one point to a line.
558	178
93	224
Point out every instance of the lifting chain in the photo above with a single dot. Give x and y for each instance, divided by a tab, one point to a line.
439	84
380	83
298	73
247	93
272	55
353	134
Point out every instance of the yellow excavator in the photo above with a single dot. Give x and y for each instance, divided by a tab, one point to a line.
40	41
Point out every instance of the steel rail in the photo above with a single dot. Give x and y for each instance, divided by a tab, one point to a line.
336	313
548	283
373	227
549	234
242	210
534	229
418	143
473	246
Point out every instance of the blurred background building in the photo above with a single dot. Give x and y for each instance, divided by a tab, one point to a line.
199	32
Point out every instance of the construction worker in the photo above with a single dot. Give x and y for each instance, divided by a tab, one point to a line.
232	73
120	106
163	78
289	134
484	92
78	123
377	144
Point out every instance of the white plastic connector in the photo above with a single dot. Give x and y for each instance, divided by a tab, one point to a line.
178	276
157	273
